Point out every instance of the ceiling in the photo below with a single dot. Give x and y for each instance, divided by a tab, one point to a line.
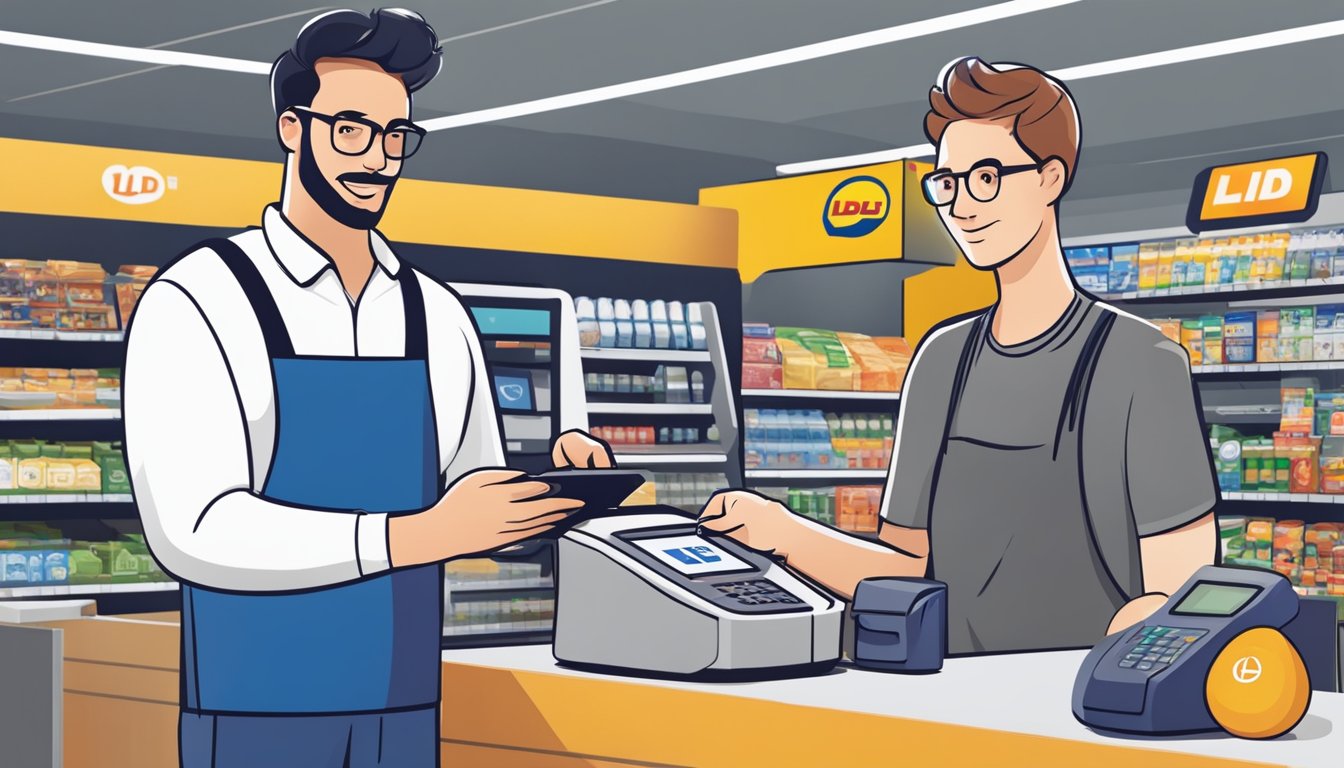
1146	133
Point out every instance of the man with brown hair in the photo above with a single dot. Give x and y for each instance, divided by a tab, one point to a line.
1050	462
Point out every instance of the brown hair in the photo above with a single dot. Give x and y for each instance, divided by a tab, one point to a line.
1045	120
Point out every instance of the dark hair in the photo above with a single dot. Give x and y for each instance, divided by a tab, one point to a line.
399	41
1045	120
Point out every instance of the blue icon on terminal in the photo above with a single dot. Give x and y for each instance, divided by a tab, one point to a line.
693	555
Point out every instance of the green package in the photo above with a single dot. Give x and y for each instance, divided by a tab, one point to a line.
85	566
115	478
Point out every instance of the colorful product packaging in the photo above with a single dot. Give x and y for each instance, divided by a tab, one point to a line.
1147	259
1124	269
1332	464
1239	337
1212	342
1192	338
1267	336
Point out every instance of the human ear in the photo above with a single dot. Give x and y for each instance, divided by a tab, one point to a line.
1054	175
289	130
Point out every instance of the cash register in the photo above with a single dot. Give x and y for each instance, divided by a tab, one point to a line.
643	592
1212	658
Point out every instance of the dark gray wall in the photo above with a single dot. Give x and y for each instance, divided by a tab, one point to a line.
861	298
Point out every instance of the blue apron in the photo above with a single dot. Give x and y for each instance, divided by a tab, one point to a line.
352	434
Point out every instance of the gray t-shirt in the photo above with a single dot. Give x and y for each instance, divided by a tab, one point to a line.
1036	552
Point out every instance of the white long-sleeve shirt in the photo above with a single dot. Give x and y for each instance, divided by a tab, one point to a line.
199	410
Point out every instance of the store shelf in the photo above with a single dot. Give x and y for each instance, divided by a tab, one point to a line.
1222	292
500	585
501	629
69	590
1290	498
66	498
653	409
651	459
816	474
646	355
50	335
67	414
820	394
1326	365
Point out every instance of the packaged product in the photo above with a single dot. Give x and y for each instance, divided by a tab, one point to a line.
1243	247
585	312
130	282
877	371
1332	465
1298	410
896	347
762	376
1124	270
658	319
112	468
1181	262
1192	338
758	330
695	324
1147	258
1304	464
43	285
1170	327
1323	342
1299	259
1267	336
676	320
1212	339
625	323
815	359
1232	536
1166	255
756	350
1226	254
1226	445
1239	337
606	322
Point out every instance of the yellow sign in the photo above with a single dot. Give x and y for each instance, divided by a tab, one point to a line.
132	185
837	217
1251	194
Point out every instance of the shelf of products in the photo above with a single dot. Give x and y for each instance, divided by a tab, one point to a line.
687	491
820	394
115	337
796	440
1311	556
37	556
1305	338
652	409
808	359
89	589
34	470
72	414
17	499
658	390
68	297
850	508
1302	461
818	474
1194	266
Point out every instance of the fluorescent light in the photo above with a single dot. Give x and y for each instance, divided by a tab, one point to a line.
1099	69
131	53
750	64
849	161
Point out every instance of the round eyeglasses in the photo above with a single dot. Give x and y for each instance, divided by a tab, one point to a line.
982	181
354	135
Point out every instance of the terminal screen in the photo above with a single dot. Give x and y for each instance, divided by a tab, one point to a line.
1215	600
693	555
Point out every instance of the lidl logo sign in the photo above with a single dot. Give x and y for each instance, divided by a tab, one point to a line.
856	207
136	185
1281	191
693	555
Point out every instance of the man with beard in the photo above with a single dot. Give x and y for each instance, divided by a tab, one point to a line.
308	424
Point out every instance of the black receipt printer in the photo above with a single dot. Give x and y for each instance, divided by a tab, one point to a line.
900	624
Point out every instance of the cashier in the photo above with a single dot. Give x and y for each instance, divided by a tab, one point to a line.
1050	464
311	432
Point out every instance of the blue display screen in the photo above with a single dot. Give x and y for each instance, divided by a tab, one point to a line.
513	391
501	321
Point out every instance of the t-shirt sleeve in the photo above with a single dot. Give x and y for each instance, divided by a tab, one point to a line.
919	430
1168	469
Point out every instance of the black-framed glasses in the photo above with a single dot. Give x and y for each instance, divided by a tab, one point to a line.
982	181
353	135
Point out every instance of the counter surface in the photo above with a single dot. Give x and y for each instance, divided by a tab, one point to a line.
1021	693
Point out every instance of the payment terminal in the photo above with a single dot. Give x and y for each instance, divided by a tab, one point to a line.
643	592
1212	658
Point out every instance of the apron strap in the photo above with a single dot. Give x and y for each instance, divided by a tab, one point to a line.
1080	382
278	343
413	305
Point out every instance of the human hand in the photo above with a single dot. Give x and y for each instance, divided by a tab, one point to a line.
751	519
482	512
582	451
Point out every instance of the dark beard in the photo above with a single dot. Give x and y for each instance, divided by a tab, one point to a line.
328	199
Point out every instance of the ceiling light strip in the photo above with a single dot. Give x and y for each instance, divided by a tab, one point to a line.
802	53
131	53
1084	71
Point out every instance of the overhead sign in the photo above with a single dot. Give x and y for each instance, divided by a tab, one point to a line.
1281	191
856	207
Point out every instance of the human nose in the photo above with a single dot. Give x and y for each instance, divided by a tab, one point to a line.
962	207
375	159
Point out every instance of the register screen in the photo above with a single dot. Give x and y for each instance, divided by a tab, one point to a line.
693	555
1215	600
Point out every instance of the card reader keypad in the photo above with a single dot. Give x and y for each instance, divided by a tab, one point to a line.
757	592
1153	649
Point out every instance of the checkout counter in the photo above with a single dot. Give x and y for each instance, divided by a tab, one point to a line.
514	706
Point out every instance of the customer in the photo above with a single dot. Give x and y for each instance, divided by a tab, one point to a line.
1050	463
